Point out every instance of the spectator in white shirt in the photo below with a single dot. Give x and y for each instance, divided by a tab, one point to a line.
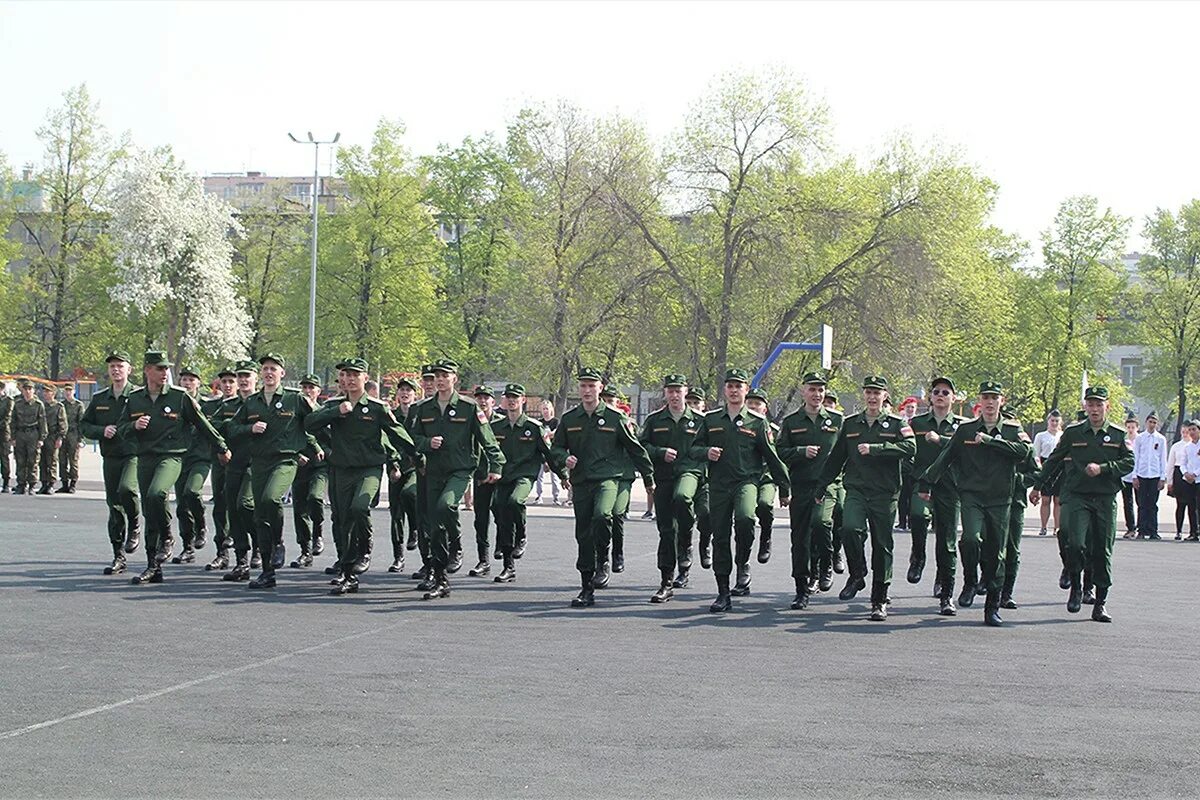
1191	475
1149	476
1043	445
1131	432
1177	487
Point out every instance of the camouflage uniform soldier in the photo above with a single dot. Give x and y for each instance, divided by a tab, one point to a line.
6	407
56	430
68	454
28	432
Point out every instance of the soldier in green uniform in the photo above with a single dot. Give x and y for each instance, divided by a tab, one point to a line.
423	574
668	436
485	398
272	422
157	417
695	399
119	459
756	401
523	442
806	439
831	559
737	444
870	448
6	405
592	441
358	424
987	451
238	488
29	432
450	431
68	454
1093	457
933	431
402	482
211	409
309	486
189	488
56	430
609	396
1026	475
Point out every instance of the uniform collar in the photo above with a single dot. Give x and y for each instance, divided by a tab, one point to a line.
521	420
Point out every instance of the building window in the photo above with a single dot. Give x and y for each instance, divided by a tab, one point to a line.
1131	371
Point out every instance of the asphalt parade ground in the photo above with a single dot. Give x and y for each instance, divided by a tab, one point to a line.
199	688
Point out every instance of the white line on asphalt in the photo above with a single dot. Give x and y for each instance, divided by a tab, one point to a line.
188	684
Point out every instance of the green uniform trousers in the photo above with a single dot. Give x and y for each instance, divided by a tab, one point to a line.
703	515
984	534
156	475
620	511
443	493
1012	558
824	547
239	505
423	518
595	503
732	510
352	490
811	531
25	453
219	513
873	513
765	509
5	453
675	517
68	459
1090	524
49	463
941	513
270	481
121	496
485	495
308	504
189	500
510	512
402	507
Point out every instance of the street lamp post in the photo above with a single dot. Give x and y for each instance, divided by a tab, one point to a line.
312	276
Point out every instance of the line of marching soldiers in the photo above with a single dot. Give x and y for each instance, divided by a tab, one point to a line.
716	472
44	436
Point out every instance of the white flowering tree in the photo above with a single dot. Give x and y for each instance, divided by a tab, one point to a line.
175	255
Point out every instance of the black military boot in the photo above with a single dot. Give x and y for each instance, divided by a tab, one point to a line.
240	571
916	561
64	488
682	577
878	602
199	539
723	602
764	545
264	581
397	564
618	555
278	556
519	549
742	587
345	584
1088	598
586	596
946	600
685	558
455	562
429	581
705	550
186	557
1100	609
484	567
133	539
966	598
1006	595
255	559
147	575
839	565
421	574
600	576
1064	579
825	582
508	574
854	585
74	485
665	592
991	609
801	600
410	542
221	561
1075	598
46	487
4	488
118	563
305	559
497	554
318	545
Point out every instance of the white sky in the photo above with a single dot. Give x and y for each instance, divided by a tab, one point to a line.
1049	99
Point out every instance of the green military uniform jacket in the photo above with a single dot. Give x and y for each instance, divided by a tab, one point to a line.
602	444
357	437
29	417
74	411
988	468
56	421
877	474
463	428
927	452
171	415
407	463
6	406
746	450
284	415
239	450
662	431
1080	446
105	409
200	450
524	447
481	460
797	432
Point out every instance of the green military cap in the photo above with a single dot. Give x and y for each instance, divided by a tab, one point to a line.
189	371
483	391
1130	416
815	378
757	393
1080	415
446	365
674	380
311	380
1007	412
991	387
736	376
278	359
228	370
588	374
118	355
427	370
695	393
155	358
609	390
875	382
245	365
1095	393
354	365
830	394
50	387
409	382
942	379
24	383
514	390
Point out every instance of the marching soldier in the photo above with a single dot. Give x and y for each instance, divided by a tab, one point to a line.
193	471
523	442
737	444
358	426
668	436
1026	475
987	451
6	406
211	408
449	431
29	432
157	417
485	398
427	392
68	454
806	439
56	431
238	489
1093	457
609	396
119	459
870	447
402	482
309	487
831	557
695	399
592	442
756	401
